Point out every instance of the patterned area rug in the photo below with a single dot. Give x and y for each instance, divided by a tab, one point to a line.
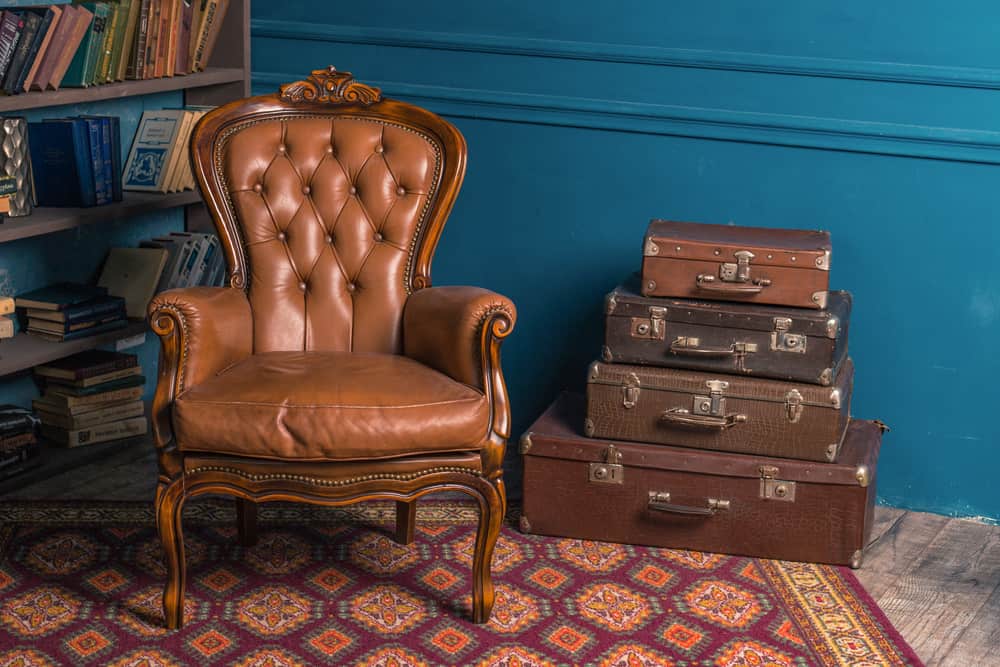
80	584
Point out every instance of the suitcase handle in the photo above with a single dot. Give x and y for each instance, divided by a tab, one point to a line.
659	501
688	346
683	417
709	283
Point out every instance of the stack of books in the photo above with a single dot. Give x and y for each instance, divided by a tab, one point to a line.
91	43
76	161
90	397
66	311
18	440
158	160
193	260
6	321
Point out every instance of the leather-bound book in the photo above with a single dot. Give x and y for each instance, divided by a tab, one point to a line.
11	25
18	61
52	17
84	18
182	57
136	68
208	32
127	30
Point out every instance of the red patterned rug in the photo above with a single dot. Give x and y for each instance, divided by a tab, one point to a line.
80	584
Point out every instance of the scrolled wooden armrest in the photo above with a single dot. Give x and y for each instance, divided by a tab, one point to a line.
458	331
202	331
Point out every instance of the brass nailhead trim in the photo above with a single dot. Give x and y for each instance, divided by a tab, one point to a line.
329	482
185	338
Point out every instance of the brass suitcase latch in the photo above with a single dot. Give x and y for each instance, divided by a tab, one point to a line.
775	489
782	341
630	391
713	405
611	471
652	327
793	406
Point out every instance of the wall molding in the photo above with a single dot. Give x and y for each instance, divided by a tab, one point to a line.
866	70
897	139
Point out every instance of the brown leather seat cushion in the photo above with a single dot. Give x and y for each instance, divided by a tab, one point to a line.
330	406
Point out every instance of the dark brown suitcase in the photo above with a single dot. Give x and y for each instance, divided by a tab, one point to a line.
690	260
729	413
748	339
615	491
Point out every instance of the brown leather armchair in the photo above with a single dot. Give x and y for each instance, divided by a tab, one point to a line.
328	370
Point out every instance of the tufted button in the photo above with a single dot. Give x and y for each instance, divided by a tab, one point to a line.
379	149
351	287
257	187
354	190
281	236
329	238
302	286
329	150
378	236
281	148
400	191
306	189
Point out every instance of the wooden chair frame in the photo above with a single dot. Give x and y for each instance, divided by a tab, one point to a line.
336	94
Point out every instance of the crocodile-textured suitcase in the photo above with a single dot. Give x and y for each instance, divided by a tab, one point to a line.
690	260
739	338
615	491
728	413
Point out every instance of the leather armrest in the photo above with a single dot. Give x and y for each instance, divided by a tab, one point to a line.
203	330
443	328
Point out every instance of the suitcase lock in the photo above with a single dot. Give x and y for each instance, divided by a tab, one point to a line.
736	274
652	327
775	489
793	406
611	471
630	391
782	341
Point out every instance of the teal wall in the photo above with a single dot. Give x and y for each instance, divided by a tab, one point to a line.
876	121
77	254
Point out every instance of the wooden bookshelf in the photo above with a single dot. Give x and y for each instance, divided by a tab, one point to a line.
53	459
212	76
24	351
47	220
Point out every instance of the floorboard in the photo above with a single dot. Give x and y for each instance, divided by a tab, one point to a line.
936	578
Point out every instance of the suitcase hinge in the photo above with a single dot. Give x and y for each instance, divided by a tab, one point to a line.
775	489
793	406
713	405
611	471
782	341
651	328
630	391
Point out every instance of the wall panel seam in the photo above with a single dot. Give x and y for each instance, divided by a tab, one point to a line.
884	138
810	66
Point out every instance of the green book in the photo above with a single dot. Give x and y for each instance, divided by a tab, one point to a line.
107	49
78	74
124	15
102	19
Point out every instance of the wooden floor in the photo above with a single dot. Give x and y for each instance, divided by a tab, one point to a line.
937	578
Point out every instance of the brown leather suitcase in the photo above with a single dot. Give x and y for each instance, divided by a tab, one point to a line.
690	260
747	339
728	413
614	491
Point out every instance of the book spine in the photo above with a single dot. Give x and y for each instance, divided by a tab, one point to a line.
163	38
107	49
128	39
11	425
100	186
10	30
116	158
127	394
91	331
106	161
18	62
96	44
183	55
100	433
137	62
14	441
156	7
93	418
37	54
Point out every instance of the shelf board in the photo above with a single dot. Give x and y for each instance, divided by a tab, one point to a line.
45	220
111	91
53	460
24	351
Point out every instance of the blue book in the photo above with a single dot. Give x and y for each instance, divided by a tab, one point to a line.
82	312
62	163
59	296
102	172
111	138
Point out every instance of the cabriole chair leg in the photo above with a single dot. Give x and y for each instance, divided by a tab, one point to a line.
169	506
491	506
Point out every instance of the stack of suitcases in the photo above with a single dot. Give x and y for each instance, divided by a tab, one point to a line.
719	417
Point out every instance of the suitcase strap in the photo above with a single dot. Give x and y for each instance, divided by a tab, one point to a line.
659	501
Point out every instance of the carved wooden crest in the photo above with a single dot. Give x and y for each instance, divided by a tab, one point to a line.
328	86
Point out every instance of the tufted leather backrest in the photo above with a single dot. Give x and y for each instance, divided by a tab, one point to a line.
329	213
